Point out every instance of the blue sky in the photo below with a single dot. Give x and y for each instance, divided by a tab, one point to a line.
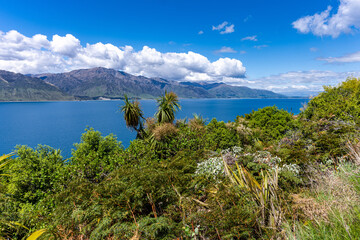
284	46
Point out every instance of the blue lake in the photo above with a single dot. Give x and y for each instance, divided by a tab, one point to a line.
60	124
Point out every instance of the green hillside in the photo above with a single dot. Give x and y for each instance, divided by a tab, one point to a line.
18	87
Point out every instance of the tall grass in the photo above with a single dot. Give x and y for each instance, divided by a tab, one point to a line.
338	194
339	225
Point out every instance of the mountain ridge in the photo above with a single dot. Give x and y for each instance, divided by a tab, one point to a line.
100	83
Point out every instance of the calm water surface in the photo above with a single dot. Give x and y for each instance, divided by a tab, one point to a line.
60	124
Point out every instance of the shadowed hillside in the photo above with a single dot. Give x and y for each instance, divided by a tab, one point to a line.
18	87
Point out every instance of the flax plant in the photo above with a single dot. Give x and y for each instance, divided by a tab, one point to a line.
264	193
3	161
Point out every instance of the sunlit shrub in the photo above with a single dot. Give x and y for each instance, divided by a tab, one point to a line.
96	156
163	131
272	122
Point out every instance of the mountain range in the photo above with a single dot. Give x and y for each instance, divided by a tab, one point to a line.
104	83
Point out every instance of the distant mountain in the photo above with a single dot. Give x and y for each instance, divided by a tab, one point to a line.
109	83
19	87
222	90
98	83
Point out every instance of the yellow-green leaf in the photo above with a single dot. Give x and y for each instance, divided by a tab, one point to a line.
37	234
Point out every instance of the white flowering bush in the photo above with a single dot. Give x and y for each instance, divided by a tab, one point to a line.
237	149
212	166
273	162
292	167
265	157
215	165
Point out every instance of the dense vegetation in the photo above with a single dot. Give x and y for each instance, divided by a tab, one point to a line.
266	175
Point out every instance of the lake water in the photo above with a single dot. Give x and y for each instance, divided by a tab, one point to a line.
60	124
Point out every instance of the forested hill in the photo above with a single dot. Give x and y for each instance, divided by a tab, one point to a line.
97	83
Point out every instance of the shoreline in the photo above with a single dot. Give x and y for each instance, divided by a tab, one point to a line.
109	100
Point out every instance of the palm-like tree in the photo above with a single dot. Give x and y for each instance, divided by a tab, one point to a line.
168	105
133	115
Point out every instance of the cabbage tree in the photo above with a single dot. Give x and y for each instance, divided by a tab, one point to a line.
133	115
168	105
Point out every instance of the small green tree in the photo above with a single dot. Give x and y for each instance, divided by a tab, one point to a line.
35	173
336	103
272	122
96	156
168	105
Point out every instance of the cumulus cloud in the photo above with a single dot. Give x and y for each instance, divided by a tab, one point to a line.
224	28
302	83
67	46
225	50
38	54
344	20
250	38
201	32
352	57
228	67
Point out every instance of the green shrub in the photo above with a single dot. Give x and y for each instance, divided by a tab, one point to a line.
35	173
219	136
96	156
272	122
336	103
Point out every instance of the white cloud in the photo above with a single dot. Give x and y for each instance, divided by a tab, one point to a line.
250	38
228	29
220	26
225	50
352	57
224	28
302	82
37	54
344	20
67	45
228	67
314	49
201	32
